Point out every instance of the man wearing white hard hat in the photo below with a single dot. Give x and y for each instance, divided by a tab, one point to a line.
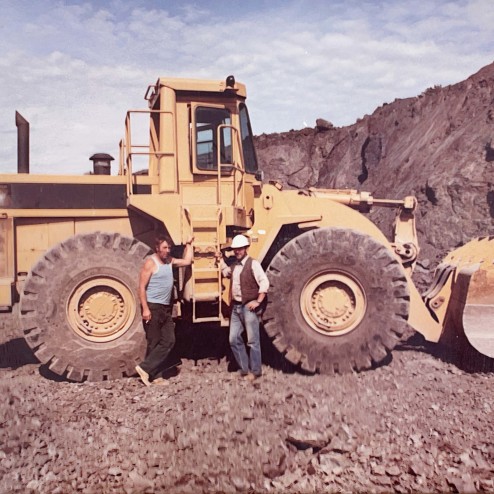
249	287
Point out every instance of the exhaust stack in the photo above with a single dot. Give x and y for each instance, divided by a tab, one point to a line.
22	143
101	163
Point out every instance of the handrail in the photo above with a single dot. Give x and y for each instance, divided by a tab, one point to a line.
127	148
233	165
147	96
242	170
120	157
128	154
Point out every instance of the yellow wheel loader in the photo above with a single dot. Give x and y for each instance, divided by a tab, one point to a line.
341	295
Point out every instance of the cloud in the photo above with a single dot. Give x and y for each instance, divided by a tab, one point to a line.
74	68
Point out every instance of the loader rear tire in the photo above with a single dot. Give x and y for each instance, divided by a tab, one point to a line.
79	309
338	301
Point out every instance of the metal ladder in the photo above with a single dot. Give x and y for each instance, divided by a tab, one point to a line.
205	223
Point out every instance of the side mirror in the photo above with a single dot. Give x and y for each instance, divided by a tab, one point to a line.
259	176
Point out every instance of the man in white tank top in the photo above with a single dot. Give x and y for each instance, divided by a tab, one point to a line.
155	294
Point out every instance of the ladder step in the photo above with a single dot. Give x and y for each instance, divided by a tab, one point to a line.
206	275
205	248
206	296
205	244
207	319
204	218
212	222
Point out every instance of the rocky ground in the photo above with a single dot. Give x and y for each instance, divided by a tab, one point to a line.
417	424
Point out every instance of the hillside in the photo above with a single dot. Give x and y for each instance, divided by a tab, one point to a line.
437	146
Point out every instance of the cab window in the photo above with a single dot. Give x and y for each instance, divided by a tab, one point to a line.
249	152
207	146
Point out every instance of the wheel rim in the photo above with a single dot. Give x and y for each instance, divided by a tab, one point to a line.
101	309
333	303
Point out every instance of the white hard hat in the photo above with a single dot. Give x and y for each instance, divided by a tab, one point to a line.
239	241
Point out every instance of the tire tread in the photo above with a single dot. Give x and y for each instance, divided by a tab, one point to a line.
384	278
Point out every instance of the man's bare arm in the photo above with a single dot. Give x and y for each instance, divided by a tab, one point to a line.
188	254
144	277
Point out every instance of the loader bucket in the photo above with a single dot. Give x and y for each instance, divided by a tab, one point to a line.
478	313
471	306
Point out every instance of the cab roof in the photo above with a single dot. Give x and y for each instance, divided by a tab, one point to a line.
203	85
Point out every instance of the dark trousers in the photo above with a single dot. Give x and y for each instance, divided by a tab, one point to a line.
160	336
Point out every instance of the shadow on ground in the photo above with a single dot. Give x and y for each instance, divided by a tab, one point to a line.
453	348
16	353
200	342
211	343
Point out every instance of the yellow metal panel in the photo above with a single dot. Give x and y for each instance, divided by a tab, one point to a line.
420	318
163	207
5	292
6	261
168	144
62	179
63	213
35	237
58	231
203	194
184	159
168	173
120	225
6	247
213	86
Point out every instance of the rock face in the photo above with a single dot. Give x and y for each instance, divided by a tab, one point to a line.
437	146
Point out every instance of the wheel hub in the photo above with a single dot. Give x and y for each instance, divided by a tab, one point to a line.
333	303
101	309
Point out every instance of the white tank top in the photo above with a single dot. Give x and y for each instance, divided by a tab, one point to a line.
160	286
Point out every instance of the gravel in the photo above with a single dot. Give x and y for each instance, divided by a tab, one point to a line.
417	424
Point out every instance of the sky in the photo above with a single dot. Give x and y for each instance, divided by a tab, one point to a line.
73	68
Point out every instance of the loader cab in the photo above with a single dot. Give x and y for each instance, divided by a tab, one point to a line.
201	153
204	124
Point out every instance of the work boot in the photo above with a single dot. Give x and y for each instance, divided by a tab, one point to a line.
143	375
160	381
252	377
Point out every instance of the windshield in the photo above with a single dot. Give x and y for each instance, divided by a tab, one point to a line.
249	152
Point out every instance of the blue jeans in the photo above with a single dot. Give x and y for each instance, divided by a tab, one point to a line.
244	319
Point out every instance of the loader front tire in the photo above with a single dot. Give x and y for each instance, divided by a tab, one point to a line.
79	309
338	301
